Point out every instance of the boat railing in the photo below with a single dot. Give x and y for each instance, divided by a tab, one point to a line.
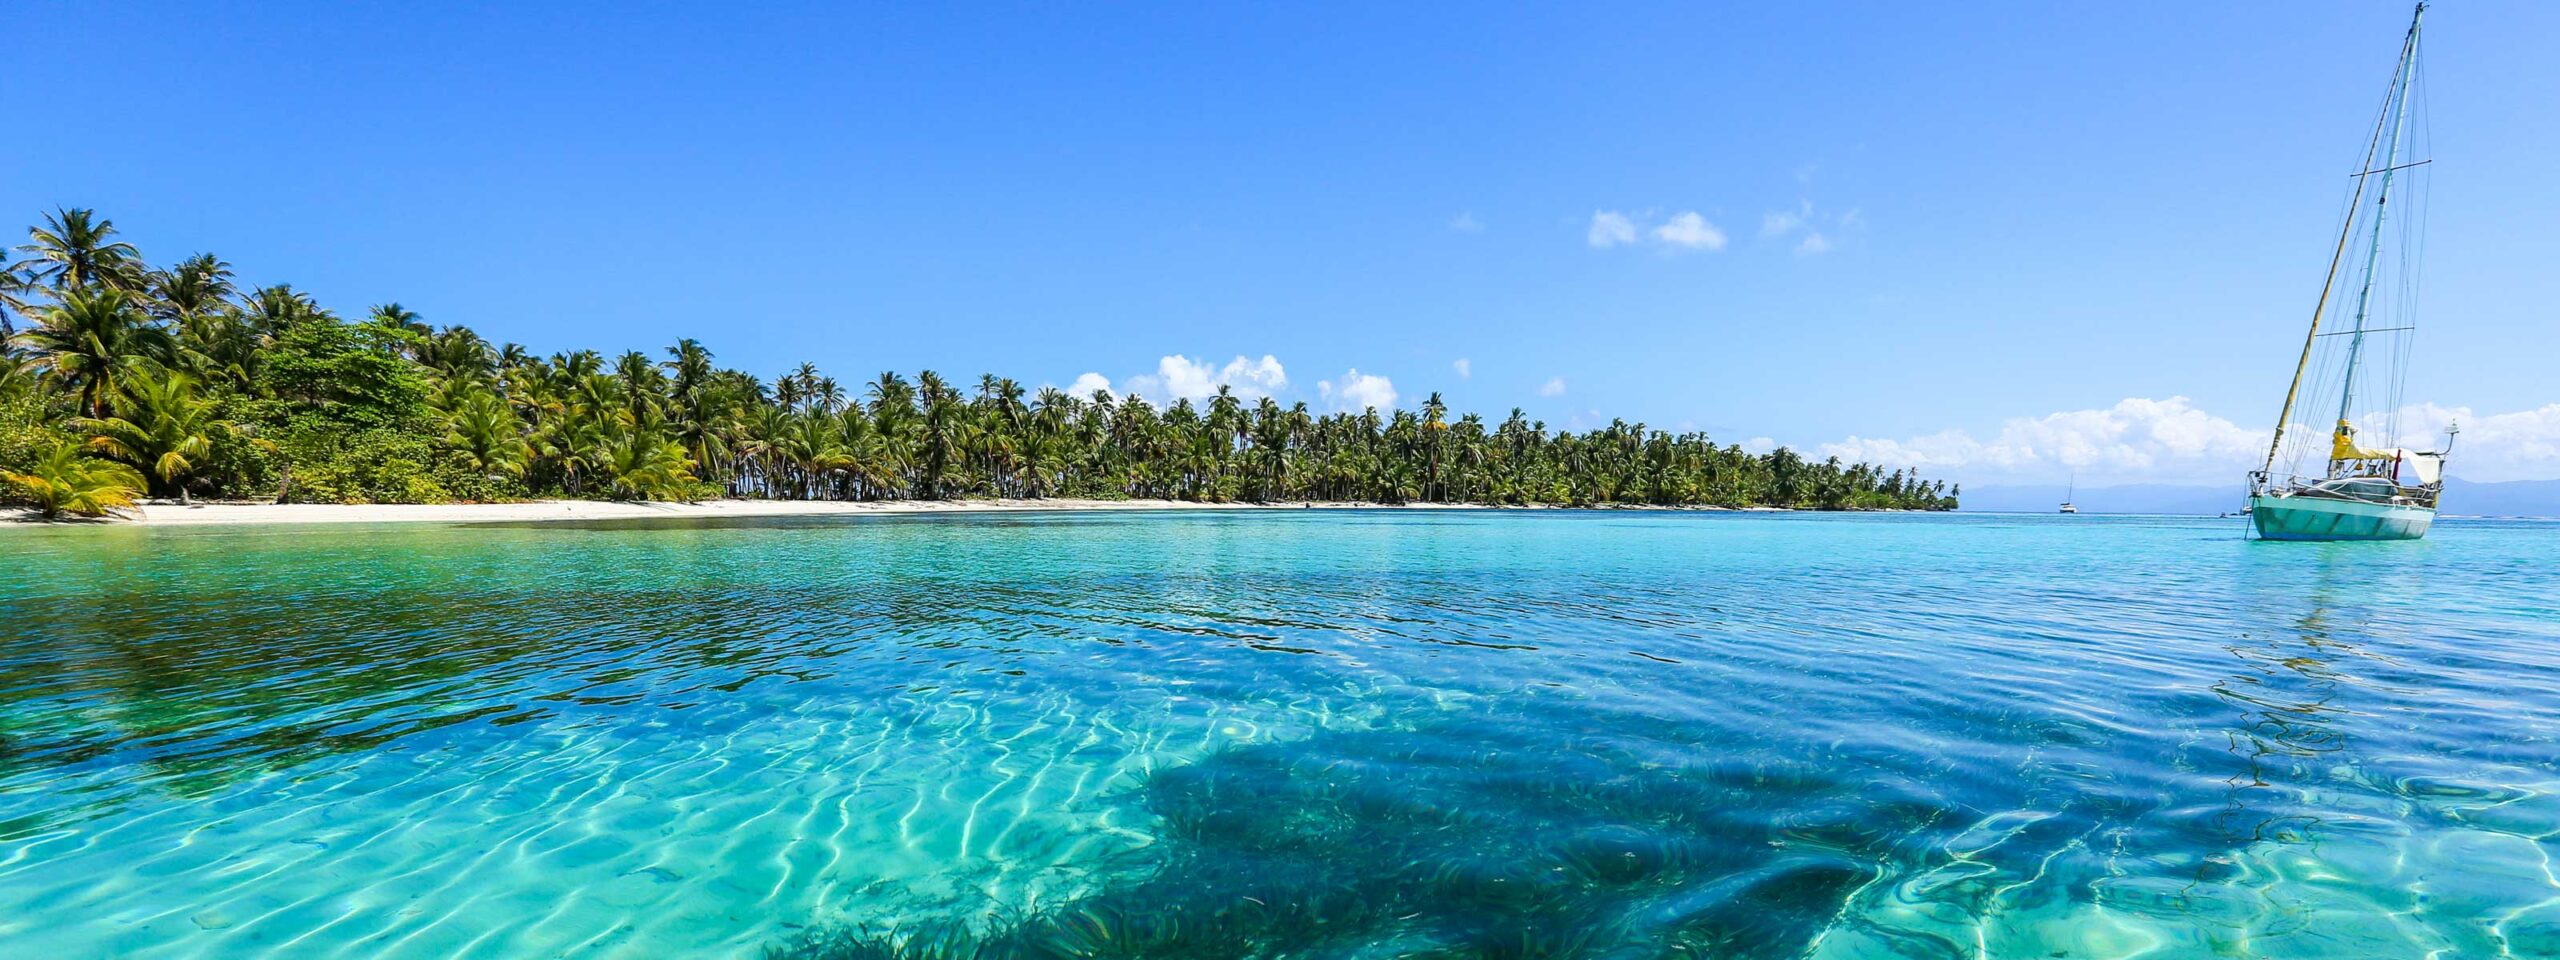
2379	490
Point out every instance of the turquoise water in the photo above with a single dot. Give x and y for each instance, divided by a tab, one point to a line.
1281	734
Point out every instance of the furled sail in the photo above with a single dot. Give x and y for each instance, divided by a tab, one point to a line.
2343	446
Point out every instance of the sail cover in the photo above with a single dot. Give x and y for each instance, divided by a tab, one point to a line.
2424	468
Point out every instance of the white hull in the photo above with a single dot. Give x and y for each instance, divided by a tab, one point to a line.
2321	518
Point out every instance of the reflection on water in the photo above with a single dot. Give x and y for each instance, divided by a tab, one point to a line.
1285	735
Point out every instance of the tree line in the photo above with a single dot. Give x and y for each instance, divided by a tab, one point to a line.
120	380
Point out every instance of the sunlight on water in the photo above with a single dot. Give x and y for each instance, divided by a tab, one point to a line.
1301	734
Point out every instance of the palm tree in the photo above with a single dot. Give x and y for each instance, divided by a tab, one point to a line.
17	377
705	420
942	432
801	382
690	364
890	393
640	378
403	325
455	352
393	316
198	286
579	365
161	426
811	444
89	341
75	250
17	299
272	310
486	437
221	347
758	448
62	481
641	465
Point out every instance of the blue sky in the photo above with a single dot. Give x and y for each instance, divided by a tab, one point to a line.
2026	210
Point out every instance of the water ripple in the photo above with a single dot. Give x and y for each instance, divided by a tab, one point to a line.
1312	734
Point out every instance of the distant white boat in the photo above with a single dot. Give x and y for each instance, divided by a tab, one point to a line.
2362	493
2068	493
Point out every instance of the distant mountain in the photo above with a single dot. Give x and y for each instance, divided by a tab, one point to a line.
2462	498
2515	498
2130	498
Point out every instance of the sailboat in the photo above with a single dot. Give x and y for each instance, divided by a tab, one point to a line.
2067	494
2360	492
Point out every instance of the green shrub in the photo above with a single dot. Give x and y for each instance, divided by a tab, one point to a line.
462	484
325	464
27	432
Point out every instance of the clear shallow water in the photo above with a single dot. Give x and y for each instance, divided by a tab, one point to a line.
1305	734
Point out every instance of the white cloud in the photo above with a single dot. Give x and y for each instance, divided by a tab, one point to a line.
1688	229
1086	384
1821	230
2137	440
1759	445
2523	445
1554	387
2171	441
1179	377
1466	223
1609	228
1358	391
1466	371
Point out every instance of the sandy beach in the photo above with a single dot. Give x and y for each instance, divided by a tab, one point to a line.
171	513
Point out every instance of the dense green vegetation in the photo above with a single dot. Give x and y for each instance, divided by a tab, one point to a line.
200	386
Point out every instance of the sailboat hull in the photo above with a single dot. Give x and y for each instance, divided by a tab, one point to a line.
2318	518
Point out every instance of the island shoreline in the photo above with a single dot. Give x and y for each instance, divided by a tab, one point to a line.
228	513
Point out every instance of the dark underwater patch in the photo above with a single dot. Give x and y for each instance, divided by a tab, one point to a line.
1476	838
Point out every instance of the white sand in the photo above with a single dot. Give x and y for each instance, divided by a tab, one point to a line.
170	513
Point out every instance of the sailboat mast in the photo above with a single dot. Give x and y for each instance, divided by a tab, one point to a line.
2399	121
2346	232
